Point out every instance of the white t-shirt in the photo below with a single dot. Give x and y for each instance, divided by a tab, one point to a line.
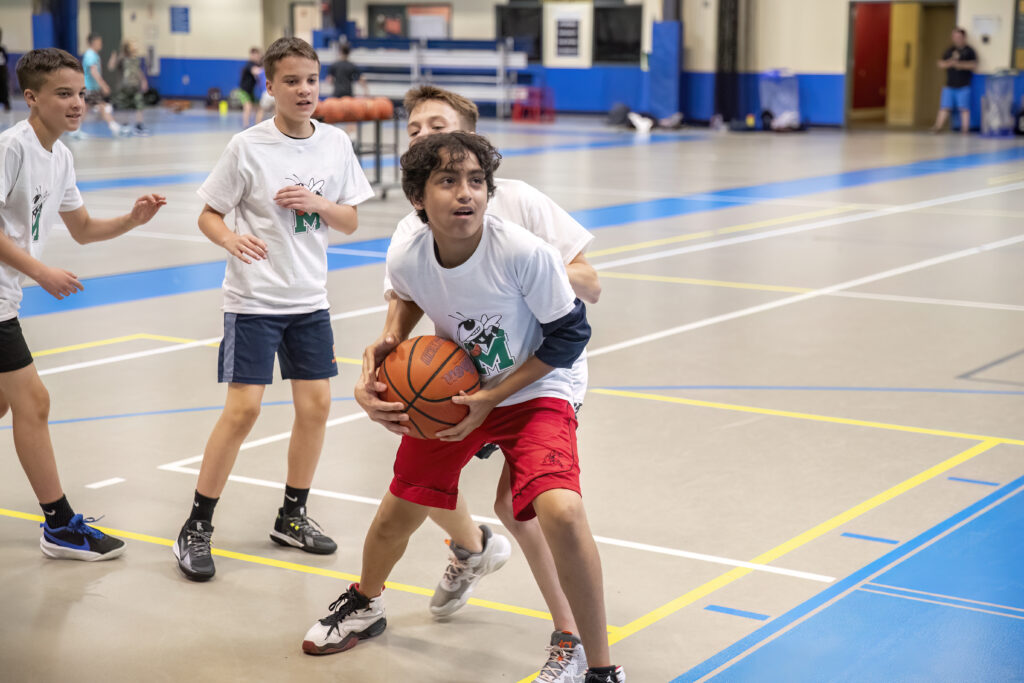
492	305
257	163
35	186
522	204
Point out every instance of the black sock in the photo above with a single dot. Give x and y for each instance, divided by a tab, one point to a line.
294	499
602	670
202	508
57	513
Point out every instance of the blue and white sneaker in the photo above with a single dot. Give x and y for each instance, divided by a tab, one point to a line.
79	541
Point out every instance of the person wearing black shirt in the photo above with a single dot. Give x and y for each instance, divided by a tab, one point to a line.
5	89
959	60
344	73
247	84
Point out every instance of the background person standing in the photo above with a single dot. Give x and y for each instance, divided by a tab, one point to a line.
959	60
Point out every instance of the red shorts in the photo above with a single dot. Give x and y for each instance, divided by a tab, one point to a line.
538	439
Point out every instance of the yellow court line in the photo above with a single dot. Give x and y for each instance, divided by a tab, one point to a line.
707	283
797	541
349	361
175	340
303	568
723	231
808	416
86	345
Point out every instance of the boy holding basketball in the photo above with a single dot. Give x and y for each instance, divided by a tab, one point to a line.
37	184
464	266
474	551
288	179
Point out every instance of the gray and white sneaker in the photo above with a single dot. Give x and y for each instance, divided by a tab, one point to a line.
353	617
193	550
465	569
299	531
567	662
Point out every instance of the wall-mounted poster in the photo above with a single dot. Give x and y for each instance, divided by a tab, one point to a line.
387	21
431	22
568	36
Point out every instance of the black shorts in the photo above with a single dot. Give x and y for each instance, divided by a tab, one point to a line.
14	353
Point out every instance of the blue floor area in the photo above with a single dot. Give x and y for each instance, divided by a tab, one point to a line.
168	281
952	612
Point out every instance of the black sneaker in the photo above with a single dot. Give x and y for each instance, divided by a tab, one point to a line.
140	131
617	676
79	541
486	451
193	550
299	531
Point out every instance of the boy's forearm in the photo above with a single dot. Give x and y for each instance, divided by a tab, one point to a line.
583	280
19	259
99	229
212	225
401	318
341	217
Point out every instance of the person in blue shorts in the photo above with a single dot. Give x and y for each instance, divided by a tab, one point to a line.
959	60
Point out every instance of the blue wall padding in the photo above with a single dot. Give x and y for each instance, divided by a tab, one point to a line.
666	65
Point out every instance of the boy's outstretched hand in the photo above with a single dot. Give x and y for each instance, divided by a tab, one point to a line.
480	406
146	207
368	389
58	282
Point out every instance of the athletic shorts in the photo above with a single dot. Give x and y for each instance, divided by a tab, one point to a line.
304	344
95	97
538	439
246	97
956	98
14	353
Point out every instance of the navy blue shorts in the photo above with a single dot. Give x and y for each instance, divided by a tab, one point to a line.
304	343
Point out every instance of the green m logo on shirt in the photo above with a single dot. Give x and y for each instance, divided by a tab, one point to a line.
486	343
303	222
38	199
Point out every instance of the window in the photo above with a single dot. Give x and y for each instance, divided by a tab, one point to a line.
522	23
617	32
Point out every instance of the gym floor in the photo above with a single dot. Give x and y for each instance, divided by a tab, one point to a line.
802	449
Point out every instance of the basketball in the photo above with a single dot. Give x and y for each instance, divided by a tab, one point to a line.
424	373
384	108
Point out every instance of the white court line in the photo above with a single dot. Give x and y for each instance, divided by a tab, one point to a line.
943	604
927	300
105	482
661	550
815	225
170	236
179	465
714	320
183	346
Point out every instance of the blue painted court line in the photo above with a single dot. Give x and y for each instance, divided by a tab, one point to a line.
876	539
973	481
769	387
190	278
170	411
678	206
737	612
948	600
840	587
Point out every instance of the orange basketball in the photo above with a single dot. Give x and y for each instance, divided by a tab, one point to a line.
424	373
384	109
346	109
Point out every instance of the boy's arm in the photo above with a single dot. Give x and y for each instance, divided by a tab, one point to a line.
341	217
242	247
583	279
401	319
60	283
98	77
84	228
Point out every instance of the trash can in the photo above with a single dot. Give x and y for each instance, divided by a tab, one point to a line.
780	100
997	118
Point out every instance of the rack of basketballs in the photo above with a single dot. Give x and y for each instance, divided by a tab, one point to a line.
372	111
346	109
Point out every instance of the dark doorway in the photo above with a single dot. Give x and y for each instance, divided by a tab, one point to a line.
105	19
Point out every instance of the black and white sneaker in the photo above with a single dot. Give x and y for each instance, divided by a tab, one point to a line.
465	569
299	531
353	617
616	676
79	541
193	550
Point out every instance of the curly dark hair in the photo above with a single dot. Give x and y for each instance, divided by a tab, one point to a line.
424	158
